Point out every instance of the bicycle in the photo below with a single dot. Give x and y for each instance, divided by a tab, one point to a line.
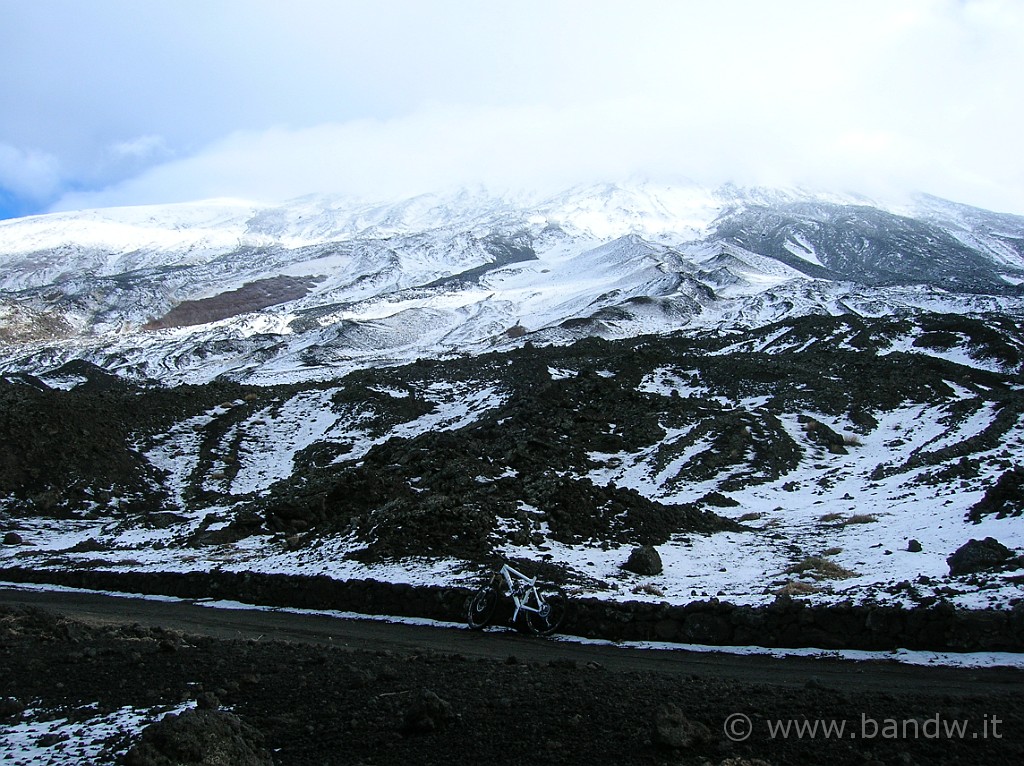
541	605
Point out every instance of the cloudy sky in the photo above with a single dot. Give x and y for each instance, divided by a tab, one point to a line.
112	102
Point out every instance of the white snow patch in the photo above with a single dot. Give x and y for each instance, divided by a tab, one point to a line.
86	734
274	435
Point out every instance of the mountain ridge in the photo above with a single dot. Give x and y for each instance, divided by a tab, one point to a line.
468	272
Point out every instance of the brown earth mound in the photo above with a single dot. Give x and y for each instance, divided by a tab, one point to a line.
251	296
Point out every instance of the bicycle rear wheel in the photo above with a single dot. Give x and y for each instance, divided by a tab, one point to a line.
480	607
553	606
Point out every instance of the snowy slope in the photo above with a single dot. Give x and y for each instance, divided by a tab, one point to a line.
307	478
342	283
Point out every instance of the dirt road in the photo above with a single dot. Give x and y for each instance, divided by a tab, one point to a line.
372	635
328	690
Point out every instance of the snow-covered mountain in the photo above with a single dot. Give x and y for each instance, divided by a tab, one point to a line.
826	398
322	285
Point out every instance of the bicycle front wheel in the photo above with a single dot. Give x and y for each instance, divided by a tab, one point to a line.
551	612
480	608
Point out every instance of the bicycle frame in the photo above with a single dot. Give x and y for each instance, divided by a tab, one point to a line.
542	605
521	588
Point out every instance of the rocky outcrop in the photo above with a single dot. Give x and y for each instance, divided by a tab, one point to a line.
1004	498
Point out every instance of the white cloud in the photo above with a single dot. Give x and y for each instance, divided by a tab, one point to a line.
31	174
546	148
256	99
533	147
142	148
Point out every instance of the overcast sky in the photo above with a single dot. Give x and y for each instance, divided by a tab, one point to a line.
111	102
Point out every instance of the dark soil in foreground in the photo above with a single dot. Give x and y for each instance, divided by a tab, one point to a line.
312	704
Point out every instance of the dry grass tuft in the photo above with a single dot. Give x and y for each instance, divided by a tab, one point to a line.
838	518
797	588
861	518
820	568
647	589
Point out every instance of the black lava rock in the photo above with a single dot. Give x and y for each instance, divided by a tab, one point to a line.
978	556
644	560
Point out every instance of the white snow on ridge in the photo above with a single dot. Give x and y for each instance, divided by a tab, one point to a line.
675	212
259	447
177	453
217	222
462	407
273	436
803	249
639	471
958	354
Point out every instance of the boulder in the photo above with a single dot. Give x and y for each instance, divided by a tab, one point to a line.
978	556
644	560
13	538
674	730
